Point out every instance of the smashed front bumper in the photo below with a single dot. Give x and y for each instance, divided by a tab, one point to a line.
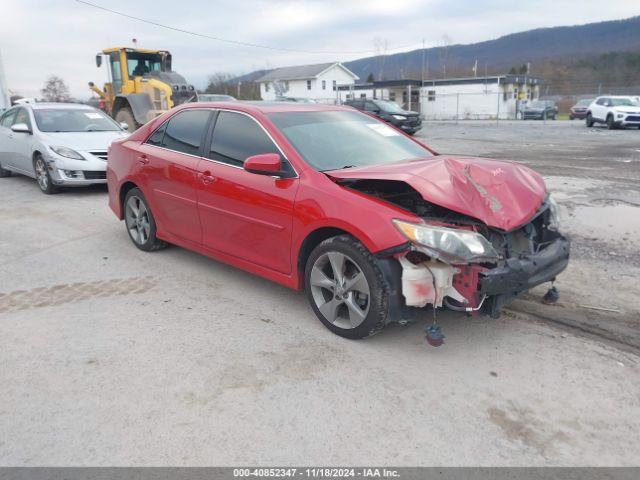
517	275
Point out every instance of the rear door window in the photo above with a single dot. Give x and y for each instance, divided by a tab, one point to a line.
185	131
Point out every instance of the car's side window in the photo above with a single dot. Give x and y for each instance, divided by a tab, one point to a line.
237	137
7	118
158	135
22	116
370	107
184	131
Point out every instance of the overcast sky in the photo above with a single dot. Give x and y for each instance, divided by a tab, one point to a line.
42	37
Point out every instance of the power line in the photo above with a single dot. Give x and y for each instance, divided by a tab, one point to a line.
227	40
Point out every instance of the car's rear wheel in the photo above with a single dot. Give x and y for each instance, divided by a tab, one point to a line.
4	173
141	226
43	177
346	289
589	120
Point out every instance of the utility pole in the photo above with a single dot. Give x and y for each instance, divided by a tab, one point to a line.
422	76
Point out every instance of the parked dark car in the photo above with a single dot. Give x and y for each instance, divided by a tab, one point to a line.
390	112
579	110
540	110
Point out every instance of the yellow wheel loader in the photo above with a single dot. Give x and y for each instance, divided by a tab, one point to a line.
141	85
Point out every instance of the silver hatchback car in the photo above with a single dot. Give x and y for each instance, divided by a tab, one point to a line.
58	144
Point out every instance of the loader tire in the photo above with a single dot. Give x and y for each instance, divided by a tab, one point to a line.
125	115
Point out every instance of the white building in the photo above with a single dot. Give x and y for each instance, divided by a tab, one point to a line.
488	97
501	96
318	82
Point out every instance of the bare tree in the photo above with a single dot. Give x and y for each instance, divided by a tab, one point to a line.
55	90
220	82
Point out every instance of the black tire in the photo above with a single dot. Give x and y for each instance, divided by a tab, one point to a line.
610	123
125	115
147	242
589	120
4	173
43	177
378	298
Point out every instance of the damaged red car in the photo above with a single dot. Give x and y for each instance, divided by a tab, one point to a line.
373	225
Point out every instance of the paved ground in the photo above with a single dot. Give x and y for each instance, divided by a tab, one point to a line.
111	356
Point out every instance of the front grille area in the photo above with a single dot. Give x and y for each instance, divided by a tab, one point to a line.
94	175
102	155
633	118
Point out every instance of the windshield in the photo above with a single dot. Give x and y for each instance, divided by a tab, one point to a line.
538	104
584	103
73	120
140	63
622	102
390	107
339	139
214	97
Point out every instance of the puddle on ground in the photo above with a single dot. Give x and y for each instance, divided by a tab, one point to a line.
611	223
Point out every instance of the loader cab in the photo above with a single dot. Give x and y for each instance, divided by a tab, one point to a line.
126	63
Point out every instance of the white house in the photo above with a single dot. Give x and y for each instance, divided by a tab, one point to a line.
318	82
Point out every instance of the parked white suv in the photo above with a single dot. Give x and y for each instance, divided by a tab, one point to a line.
614	111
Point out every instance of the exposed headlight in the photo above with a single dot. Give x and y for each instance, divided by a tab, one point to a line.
449	244
67	152
399	117
554	215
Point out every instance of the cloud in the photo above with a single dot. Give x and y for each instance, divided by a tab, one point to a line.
43	37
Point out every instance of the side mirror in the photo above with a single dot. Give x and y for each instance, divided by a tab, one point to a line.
20	128
264	164
99	60
124	126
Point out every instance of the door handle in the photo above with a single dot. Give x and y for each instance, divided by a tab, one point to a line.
207	178
143	159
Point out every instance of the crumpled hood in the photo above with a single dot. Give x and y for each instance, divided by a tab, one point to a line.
503	195
83	141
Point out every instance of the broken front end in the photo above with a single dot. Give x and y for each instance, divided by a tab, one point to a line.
459	262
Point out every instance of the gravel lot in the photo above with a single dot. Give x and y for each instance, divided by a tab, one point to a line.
112	356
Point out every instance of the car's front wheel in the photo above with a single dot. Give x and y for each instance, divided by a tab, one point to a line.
43	177
140	223
589	120
610	123
346	288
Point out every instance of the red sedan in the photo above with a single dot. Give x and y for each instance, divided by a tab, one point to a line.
370	222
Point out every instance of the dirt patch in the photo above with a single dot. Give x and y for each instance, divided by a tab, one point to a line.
519	424
72	293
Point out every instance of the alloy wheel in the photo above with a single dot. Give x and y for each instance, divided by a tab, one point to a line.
340	290
41	174
137	218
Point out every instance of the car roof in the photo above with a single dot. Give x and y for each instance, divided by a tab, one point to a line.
52	105
271	107
616	96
